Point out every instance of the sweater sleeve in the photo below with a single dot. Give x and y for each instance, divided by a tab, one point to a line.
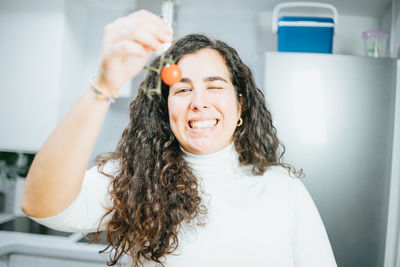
311	246
83	215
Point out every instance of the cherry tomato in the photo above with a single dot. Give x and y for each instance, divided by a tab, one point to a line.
171	73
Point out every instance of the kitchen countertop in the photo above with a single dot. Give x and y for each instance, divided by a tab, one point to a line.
5	217
49	246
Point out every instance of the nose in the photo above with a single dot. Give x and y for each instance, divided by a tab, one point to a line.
199	100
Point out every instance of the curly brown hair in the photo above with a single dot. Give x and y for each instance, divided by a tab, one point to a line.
155	189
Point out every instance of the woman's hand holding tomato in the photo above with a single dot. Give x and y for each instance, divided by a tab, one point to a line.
128	43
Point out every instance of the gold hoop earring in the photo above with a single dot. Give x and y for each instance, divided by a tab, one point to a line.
239	122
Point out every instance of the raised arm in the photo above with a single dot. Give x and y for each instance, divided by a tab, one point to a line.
55	178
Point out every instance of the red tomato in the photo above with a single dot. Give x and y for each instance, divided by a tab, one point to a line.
171	73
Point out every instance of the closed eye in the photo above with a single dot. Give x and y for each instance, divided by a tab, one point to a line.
182	90
215	88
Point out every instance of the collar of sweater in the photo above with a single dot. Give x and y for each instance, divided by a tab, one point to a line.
221	165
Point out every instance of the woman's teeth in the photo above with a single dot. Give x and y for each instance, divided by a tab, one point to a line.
203	124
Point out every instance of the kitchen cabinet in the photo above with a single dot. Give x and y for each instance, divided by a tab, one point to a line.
17	260
49	50
36	250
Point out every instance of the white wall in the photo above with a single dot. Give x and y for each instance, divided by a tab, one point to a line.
238	28
396	29
386	24
390	22
348	39
30	71
73	55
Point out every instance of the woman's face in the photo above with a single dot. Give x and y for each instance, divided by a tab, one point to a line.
203	107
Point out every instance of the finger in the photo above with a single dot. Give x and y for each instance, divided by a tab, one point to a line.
145	18
142	36
128	31
162	35
144	14
162	30
125	48
146	38
148	20
147	34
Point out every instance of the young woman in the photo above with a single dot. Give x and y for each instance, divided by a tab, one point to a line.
196	178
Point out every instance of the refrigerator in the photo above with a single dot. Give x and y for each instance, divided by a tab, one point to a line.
336	117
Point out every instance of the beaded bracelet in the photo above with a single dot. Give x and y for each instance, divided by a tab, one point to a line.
102	94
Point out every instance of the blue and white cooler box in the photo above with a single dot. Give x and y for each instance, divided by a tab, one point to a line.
304	34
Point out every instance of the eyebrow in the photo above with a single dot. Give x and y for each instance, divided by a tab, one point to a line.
206	79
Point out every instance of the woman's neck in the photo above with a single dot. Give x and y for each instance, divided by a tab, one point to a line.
221	164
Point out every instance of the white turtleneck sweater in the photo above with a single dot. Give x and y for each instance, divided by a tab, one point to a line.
268	220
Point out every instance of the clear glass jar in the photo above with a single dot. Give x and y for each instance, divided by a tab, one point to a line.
375	43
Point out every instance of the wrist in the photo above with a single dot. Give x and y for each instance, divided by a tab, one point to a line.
101	83
103	92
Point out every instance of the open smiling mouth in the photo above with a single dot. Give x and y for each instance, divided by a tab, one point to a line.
203	124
